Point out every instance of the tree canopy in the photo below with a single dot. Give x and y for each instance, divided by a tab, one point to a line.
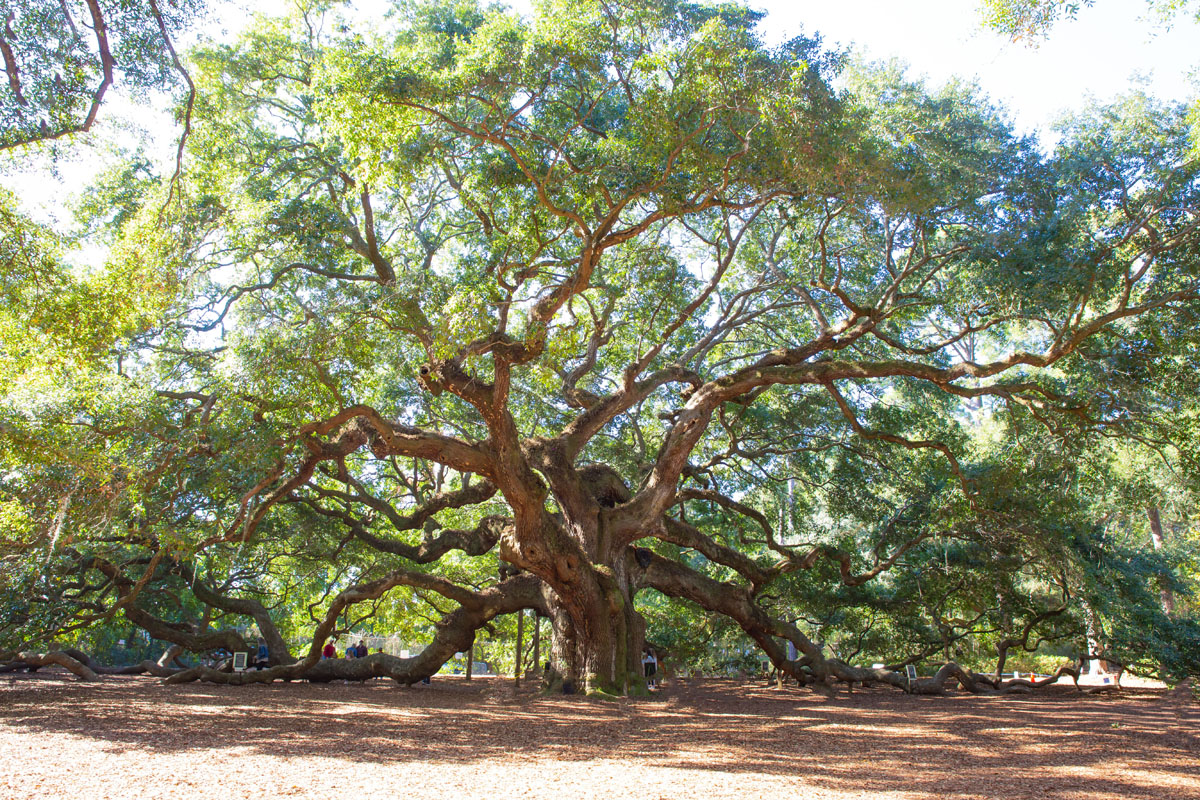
60	58
618	315
1032	20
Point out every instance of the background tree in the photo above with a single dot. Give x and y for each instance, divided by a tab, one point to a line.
1032	20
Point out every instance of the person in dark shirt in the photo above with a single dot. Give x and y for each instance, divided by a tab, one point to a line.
264	655
361	649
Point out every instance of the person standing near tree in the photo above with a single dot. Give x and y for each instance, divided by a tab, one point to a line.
330	651
361	649
649	666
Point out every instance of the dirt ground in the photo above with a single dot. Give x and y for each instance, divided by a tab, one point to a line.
132	737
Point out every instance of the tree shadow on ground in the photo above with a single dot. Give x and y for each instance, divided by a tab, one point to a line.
1133	745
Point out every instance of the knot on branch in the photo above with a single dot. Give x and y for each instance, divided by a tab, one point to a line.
429	378
580	398
605	485
379	446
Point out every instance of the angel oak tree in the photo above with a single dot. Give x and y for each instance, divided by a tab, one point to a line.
617	294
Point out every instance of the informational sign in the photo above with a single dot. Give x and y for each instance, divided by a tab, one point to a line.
239	661
911	672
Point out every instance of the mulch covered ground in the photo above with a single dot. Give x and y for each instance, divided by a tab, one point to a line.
132	737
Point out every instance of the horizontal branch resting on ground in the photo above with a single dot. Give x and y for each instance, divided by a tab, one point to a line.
85	667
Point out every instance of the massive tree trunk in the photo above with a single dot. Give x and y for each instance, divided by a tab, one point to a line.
597	631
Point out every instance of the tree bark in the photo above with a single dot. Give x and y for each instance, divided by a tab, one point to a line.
61	659
170	655
277	648
1158	539
1095	636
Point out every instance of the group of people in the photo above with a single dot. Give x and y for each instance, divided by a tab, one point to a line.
353	651
650	658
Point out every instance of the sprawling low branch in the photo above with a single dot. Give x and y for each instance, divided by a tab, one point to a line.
177	633
454	633
56	658
676	580
276	646
685	535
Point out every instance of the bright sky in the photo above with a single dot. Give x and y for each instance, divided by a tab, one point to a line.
1098	54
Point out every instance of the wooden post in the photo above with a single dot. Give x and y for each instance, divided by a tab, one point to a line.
470	661
517	660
